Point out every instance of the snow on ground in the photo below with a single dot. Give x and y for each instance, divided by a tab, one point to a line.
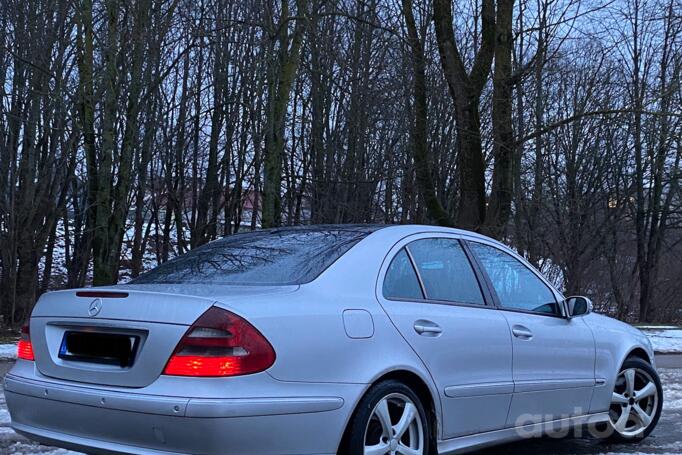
672	388
21	448
8	351
666	340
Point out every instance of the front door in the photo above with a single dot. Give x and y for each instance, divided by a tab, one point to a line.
431	294
554	356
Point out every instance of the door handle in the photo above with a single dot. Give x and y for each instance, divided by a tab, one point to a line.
522	332
427	328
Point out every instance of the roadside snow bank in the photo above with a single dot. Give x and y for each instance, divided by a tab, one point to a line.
666	340
8	351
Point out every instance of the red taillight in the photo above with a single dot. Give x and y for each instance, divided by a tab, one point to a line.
25	348
220	343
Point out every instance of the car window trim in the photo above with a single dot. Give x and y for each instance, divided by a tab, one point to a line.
488	302
425	296
493	292
483	281
441	302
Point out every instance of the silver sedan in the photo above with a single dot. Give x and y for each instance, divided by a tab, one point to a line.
329	339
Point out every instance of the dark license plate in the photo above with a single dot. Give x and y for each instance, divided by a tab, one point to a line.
103	348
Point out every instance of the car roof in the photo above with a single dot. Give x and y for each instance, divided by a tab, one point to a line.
366	228
391	230
400	229
426	228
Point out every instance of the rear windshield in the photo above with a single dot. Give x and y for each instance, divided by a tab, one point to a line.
275	257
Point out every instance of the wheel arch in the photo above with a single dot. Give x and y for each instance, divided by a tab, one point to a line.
419	385
415	382
640	353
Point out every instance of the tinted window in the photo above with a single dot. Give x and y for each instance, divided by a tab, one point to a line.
401	280
516	286
445	271
283	256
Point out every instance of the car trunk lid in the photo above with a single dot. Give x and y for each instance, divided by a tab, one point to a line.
118	336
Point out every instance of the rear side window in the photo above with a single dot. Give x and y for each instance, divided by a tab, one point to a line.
269	257
445	271
516	285
401	280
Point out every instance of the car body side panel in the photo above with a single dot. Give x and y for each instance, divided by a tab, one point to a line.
312	345
554	367
614	341
470	361
553	370
311	341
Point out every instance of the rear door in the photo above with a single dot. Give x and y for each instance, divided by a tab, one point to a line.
554	356
430	291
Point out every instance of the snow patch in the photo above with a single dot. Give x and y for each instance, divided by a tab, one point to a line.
672	388
665	340
4	416
8	351
20	448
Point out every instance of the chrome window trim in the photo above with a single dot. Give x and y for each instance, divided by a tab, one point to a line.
425	295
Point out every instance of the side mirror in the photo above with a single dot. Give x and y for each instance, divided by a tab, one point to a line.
578	306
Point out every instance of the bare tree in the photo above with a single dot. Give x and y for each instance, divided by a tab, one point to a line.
466	87
285	51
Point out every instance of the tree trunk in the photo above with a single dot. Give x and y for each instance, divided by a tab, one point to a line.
466	89
422	160
282	72
499	210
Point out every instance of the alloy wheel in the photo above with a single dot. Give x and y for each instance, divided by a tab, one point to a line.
634	403
394	427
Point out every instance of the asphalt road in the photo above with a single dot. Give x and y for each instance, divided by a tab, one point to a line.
669	361
666	439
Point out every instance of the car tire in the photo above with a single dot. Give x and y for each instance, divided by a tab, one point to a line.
396	400
625	401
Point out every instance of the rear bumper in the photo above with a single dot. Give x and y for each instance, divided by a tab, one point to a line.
103	421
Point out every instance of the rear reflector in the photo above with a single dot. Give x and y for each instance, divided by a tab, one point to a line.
25	348
220	343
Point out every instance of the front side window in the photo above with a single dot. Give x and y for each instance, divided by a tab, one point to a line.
445	271
517	287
